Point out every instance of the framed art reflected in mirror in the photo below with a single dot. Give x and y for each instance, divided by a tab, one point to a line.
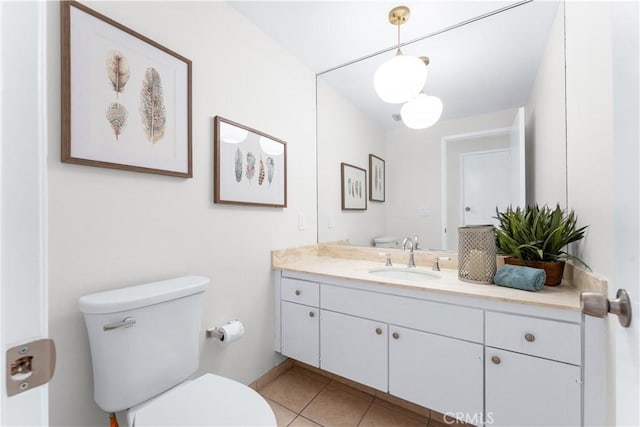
354	187
376	178
250	166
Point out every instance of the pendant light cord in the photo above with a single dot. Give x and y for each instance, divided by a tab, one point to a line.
399	52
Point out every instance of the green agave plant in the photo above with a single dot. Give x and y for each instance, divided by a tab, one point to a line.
537	233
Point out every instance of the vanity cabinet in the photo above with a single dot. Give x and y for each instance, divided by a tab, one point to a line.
436	372
483	362
300	320
536	363
354	348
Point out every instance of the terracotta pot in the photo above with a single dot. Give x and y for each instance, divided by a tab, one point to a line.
553	269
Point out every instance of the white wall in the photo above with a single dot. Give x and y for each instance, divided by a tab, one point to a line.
115	228
545	124
346	134
413	174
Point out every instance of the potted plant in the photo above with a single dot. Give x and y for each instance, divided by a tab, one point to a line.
537	237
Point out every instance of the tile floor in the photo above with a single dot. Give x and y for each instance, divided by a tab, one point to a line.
302	397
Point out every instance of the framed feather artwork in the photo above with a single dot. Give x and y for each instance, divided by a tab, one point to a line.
250	166
376	178
354	187
126	100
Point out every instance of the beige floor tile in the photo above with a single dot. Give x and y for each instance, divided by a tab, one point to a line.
383	398
334	407
363	388
316	376
283	415
353	390
379	416
420	417
301	421
292	390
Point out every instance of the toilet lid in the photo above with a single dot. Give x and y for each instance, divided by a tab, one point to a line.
209	400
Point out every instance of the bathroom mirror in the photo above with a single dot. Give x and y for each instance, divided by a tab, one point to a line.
501	80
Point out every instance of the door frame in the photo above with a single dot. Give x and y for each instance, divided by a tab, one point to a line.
444	141
23	197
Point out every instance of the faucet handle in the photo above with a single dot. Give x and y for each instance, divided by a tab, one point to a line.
436	262
388	263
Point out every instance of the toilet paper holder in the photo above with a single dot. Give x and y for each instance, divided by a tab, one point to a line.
214	332
227	333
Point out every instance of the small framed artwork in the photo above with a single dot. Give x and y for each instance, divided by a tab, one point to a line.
354	187
126	100
376	179
250	166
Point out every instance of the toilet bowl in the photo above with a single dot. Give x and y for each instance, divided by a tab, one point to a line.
208	400
145	346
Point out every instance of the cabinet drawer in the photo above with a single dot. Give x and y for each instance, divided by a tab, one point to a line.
537	337
439	318
300	291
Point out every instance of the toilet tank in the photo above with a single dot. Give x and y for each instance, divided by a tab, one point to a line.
144	339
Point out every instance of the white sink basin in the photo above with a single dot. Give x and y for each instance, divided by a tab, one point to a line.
404	273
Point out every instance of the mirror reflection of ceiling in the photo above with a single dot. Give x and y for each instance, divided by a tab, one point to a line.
472	74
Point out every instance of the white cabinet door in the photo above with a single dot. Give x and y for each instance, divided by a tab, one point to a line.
300	332
440	373
354	348
524	390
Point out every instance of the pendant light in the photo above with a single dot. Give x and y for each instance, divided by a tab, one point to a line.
421	112
401	77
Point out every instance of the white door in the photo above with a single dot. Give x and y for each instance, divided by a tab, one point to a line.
23	297
301	332
486	184
354	348
626	188
440	373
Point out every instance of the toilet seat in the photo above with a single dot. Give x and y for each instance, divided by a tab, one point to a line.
209	400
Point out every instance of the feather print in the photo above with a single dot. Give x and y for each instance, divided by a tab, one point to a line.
152	107
251	166
349	187
270	169
117	70
238	165
261	172
117	117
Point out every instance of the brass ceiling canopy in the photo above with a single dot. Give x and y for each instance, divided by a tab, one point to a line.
399	15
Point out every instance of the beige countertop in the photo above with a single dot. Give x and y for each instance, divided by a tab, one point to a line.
354	263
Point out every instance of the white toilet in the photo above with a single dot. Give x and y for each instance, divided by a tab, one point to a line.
145	344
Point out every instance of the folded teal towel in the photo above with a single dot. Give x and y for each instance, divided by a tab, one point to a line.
520	277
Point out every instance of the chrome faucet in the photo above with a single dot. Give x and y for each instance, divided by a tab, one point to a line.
409	241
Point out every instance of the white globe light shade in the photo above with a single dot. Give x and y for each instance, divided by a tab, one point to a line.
271	147
421	112
232	134
400	79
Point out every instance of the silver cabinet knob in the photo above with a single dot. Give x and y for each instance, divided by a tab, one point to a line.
395	335
530	337
378	331
298	292
467	209
496	360
311	314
